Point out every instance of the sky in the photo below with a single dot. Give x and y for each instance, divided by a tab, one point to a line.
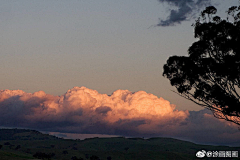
111	53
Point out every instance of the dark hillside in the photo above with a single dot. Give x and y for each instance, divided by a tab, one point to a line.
23	134
19	144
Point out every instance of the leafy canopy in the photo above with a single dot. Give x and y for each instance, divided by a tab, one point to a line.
210	74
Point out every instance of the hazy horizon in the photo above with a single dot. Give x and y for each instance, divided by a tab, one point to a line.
95	67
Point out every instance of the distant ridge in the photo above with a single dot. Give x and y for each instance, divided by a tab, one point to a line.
22	144
23	134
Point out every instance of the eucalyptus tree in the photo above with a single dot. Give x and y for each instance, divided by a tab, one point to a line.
210	74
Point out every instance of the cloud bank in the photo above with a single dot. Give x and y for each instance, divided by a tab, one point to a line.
85	111
184	10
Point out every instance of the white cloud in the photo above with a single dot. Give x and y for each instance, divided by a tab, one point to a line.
82	110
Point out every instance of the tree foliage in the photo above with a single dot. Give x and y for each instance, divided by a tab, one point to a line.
41	155
210	74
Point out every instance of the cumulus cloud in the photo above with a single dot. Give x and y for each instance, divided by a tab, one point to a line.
184	10
83	110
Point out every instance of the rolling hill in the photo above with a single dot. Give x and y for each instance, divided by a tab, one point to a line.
23	144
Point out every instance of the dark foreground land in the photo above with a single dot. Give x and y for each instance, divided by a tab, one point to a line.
21	144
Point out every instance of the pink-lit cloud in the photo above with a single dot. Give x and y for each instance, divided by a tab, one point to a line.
83	110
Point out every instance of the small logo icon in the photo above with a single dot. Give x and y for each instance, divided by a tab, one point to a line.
221	154
201	154
234	153
215	153
209	154
228	154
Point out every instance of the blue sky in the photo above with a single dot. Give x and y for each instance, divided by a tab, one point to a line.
52	46
104	45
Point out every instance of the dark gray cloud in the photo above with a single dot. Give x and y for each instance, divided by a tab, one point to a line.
103	110
203	128
183	10
139	114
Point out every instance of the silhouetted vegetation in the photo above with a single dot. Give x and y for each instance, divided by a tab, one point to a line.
75	158
74	148
65	152
97	148
210	74
87	156
126	149
18	147
41	155
7	143
93	157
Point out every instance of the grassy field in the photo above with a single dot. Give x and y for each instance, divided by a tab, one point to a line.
20	144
